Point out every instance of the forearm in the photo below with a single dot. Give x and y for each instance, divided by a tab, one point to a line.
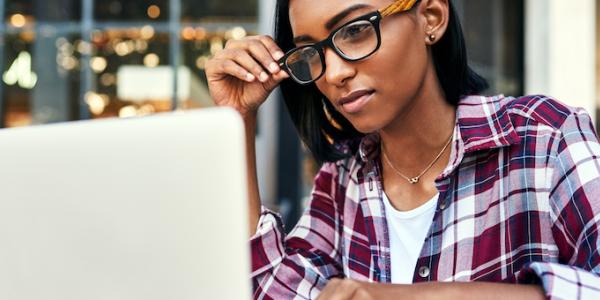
483	290
459	290
253	193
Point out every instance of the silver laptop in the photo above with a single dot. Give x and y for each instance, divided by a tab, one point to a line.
147	208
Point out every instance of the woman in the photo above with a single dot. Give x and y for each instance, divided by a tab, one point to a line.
421	181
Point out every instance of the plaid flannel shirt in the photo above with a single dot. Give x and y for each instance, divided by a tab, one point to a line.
518	204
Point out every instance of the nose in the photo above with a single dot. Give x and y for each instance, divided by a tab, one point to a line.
337	70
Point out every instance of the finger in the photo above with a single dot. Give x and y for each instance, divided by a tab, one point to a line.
259	51
275	80
232	68
227	67
270	44
278	77
262	48
281	75
345	290
338	289
361	294
329	290
243	58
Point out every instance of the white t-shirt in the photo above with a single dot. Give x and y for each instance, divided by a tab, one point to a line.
407	231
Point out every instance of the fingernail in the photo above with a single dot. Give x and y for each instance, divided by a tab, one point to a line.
250	77
273	67
278	55
264	77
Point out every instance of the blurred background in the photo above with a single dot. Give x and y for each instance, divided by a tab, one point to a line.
67	60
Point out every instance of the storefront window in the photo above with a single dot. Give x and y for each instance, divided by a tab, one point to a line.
82	59
233	10
127	10
40	78
25	12
123	63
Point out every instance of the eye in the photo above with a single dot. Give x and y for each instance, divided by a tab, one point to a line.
355	30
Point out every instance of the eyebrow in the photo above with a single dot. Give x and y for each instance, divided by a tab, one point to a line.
332	22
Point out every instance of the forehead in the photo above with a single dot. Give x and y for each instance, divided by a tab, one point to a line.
310	16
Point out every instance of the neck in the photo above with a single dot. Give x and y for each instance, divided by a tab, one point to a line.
419	134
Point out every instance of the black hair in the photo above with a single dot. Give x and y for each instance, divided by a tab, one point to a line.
305	104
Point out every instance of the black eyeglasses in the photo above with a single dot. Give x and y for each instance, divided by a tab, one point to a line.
353	41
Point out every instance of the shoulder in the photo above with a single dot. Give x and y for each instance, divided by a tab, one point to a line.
549	124
523	113
533	121
542	110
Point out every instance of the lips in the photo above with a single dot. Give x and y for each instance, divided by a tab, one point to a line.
355	101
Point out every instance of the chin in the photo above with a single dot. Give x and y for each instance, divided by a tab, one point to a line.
366	127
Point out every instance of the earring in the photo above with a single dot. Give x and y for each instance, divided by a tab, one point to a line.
330	118
328	137
432	37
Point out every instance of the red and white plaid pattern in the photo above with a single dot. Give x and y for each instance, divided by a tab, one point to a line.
519	203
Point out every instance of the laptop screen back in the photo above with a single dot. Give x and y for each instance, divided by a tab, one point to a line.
149	208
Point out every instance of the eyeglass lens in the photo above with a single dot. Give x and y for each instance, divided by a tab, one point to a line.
353	41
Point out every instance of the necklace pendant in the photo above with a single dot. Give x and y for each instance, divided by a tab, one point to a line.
414	180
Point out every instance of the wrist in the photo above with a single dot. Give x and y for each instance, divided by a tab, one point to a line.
249	117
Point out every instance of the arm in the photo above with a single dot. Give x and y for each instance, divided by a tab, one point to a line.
354	290
254	205
575	213
300	264
242	76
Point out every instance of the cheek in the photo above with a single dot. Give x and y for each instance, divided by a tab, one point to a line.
324	88
403	76
401	60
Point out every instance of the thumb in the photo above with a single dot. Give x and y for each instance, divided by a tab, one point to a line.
276	79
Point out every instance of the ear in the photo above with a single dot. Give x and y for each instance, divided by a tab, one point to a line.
434	16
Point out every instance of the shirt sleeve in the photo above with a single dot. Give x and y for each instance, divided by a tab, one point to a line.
575	213
300	264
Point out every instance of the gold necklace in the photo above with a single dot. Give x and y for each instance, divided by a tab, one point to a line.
415	180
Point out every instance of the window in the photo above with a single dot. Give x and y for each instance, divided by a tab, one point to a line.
83	59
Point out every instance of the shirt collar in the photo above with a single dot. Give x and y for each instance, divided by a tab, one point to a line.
482	123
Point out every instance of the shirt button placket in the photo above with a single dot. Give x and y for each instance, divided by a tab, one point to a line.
443	205
424	272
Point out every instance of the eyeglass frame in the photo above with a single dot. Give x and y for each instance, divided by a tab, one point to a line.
373	17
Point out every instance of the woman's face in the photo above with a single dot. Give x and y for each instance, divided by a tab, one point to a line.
385	82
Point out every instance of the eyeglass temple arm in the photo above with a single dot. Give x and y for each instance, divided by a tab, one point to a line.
398	6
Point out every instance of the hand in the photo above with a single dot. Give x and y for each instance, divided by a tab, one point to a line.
243	74
348	289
